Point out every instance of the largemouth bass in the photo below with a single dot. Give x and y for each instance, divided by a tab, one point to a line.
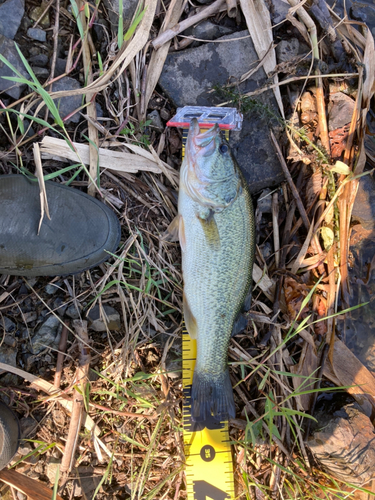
216	233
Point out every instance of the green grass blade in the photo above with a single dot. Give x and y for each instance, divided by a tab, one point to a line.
133	27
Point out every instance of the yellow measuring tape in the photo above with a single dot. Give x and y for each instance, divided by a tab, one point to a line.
209	463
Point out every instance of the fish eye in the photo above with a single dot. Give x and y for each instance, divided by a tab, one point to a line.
223	148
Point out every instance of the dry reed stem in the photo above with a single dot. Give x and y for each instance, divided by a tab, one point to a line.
168	34
275	226
60	357
90	101
231	8
81	378
34	490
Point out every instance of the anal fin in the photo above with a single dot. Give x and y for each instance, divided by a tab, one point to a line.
190	321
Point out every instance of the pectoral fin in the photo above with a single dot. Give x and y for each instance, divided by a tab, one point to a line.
171	233
211	232
190	321
181	233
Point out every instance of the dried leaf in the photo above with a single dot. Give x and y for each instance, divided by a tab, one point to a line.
314	186
369	83
320	328
295	293
338	139
328	237
52	147
306	366
42	187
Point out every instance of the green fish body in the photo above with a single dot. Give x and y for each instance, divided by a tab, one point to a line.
216	232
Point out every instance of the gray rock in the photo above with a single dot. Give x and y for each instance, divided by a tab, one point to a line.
156	122
10	341
365	12
67	105
364	205
189	75
11	13
72	312
59	306
287	50
111	321
345	445
40	72
51	288
7	323
60	66
9	51
40	60
48	335
128	10
279	10
207	30
8	355
37	34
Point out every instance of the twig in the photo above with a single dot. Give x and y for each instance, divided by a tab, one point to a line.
60	356
183	25
55	42
292	186
78	397
275	226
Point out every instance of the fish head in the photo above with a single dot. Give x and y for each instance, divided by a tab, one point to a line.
210	174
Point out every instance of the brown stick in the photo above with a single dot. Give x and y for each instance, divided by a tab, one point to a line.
34	490
322	118
183	25
78	397
60	356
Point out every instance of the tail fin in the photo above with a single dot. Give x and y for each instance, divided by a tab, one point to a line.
212	395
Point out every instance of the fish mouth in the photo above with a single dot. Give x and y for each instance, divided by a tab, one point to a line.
203	142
